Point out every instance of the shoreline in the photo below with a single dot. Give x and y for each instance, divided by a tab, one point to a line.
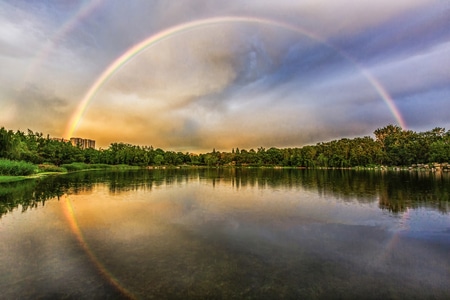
12	178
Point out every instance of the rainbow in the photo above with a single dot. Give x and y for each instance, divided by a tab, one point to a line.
69	213
396	236
179	29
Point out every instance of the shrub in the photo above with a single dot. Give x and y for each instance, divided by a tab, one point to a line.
75	167
50	168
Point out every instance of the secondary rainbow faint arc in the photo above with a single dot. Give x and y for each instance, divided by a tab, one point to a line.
44	53
162	35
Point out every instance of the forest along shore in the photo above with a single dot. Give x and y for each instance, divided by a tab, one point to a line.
392	148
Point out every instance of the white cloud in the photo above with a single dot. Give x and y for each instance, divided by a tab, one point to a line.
417	72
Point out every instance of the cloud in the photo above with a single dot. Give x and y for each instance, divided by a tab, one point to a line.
183	67
331	18
417	72
195	88
224	85
427	109
36	109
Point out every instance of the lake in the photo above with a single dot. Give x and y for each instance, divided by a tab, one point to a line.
226	233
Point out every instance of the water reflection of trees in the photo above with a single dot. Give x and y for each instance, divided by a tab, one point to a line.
27	194
34	192
394	191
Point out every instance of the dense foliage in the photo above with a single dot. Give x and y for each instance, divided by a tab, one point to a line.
392	146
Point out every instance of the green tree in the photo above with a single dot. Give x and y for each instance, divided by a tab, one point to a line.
159	159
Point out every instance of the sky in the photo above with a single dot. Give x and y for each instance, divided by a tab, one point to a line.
198	75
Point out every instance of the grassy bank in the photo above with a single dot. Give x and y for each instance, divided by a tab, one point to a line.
11	171
5	178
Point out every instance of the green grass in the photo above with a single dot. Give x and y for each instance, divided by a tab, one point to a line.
73	167
77	166
47	168
16	168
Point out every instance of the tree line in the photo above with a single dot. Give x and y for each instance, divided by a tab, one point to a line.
392	146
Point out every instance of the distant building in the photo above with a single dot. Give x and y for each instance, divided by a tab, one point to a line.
82	143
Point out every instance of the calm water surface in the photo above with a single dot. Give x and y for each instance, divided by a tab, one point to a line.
226	233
